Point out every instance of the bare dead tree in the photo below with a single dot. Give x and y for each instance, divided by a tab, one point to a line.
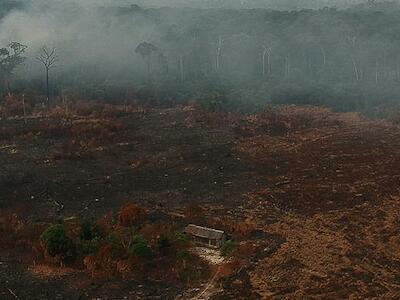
146	50
24	108
352	40
266	60
49	59
287	66
218	53
323	54
181	68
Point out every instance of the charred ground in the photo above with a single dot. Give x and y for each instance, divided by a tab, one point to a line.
321	187
163	157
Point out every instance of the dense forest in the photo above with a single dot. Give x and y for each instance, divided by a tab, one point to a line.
240	4
347	59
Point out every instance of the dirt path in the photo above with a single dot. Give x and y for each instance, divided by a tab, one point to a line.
210	289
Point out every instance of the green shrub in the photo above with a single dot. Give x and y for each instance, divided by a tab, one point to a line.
90	231
140	247
57	242
182	237
163	244
227	248
88	247
183	255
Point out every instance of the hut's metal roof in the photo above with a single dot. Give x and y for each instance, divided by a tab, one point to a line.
204	232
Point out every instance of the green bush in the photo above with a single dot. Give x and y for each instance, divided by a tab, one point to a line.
90	236
163	244
57	242
140	247
227	248
90	231
182	237
183	255
88	247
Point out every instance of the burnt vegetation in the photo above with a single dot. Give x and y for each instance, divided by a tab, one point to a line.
254	122
302	177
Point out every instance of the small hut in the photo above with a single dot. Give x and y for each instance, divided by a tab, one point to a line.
204	236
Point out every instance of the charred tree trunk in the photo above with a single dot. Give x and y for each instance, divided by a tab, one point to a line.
263	62
384	66
48	58
309	66
323	55
355	69
269	62
266	61
287	66
24	108
148	68
9	92
218	54
47	89
181	68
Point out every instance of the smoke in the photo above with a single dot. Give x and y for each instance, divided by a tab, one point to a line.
89	30
96	41
84	32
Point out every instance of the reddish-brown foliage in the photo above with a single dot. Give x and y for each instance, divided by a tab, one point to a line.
284	121
97	110
105	260
95	131
57	112
124	268
210	119
38	252
193	212
12	106
107	222
229	268
247	249
53	129
245	228
85	137
153	231
90	264
131	215
105	253
15	232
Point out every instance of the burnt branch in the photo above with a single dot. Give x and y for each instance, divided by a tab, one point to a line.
48	57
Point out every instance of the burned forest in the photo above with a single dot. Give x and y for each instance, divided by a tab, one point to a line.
199	149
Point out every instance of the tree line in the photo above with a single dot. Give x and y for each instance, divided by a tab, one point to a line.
248	57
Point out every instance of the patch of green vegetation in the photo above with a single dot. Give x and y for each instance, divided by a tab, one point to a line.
163	244
88	247
227	248
140	247
90	231
58	243
182	237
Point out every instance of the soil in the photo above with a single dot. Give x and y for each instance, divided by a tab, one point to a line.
324	184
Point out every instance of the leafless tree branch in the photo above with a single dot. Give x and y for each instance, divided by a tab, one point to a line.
48	58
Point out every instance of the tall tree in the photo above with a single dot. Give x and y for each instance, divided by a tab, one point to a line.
10	58
218	54
266	60
146	50
49	59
